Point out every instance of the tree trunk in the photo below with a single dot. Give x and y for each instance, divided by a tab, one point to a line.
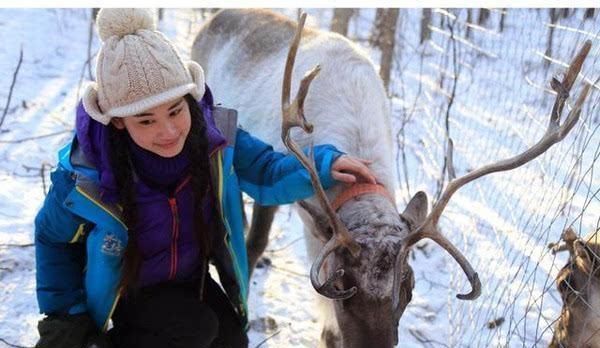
425	24
442	20
95	14
502	18
589	13
484	15
386	21
341	20
469	21
554	13
160	14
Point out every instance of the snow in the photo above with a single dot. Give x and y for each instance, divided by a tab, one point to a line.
502	223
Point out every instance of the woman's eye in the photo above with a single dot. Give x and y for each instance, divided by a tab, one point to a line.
146	122
175	112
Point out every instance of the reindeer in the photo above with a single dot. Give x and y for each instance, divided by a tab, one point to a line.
578	283
360	241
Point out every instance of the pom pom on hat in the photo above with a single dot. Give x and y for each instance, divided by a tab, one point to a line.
120	22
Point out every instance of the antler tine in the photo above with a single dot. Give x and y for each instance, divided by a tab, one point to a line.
554	134
289	63
563	89
462	261
327	289
293	116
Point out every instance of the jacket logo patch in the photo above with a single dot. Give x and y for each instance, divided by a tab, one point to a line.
112	246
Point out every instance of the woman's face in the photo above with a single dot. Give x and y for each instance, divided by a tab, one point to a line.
162	129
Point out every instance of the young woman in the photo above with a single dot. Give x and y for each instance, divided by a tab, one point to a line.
147	194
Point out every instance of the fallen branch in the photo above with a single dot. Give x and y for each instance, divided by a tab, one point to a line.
268	338
12	87
285	246
18	141
12	345
86	64
42	173
16	245
419	336
89	46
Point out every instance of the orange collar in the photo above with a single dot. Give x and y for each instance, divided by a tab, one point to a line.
360	189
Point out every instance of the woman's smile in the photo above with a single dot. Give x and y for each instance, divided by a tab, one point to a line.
168	144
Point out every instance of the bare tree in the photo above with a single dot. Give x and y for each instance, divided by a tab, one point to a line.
589	13
341	19
502	18
12	87
425	24
90	40
383	37
554	14
469	22
484	16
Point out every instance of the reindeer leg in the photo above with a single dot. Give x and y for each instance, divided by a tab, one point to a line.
258	234
330	339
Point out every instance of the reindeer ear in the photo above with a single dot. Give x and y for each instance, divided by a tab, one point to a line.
582	258
416	210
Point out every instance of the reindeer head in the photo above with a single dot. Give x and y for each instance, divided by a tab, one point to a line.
380	271
578	283
369	315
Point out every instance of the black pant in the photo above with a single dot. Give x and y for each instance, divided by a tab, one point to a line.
170	315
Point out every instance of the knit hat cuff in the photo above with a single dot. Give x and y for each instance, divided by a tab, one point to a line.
142	105
195	88
90	104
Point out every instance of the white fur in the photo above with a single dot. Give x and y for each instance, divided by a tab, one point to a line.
346	103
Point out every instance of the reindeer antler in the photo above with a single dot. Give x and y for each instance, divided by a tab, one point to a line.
554	134
293	116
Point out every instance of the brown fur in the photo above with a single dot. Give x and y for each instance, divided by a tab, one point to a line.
579	285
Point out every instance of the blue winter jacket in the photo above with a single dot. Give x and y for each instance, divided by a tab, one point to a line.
80	240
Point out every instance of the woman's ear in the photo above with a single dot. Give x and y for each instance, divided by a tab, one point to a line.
118	123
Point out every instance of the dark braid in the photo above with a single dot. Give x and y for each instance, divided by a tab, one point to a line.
197	148
120	162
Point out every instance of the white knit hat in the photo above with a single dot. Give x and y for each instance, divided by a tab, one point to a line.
138	68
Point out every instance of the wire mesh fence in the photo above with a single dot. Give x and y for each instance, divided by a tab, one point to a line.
483	78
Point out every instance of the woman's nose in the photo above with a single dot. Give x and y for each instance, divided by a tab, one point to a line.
169	128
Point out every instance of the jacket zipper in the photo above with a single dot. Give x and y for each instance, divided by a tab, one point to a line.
175	227
174	237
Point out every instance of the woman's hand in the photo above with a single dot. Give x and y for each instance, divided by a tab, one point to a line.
350	170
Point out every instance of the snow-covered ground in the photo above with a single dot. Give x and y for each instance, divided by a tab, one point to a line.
502	223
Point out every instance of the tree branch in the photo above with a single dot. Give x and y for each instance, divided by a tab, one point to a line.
12	87
18	141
